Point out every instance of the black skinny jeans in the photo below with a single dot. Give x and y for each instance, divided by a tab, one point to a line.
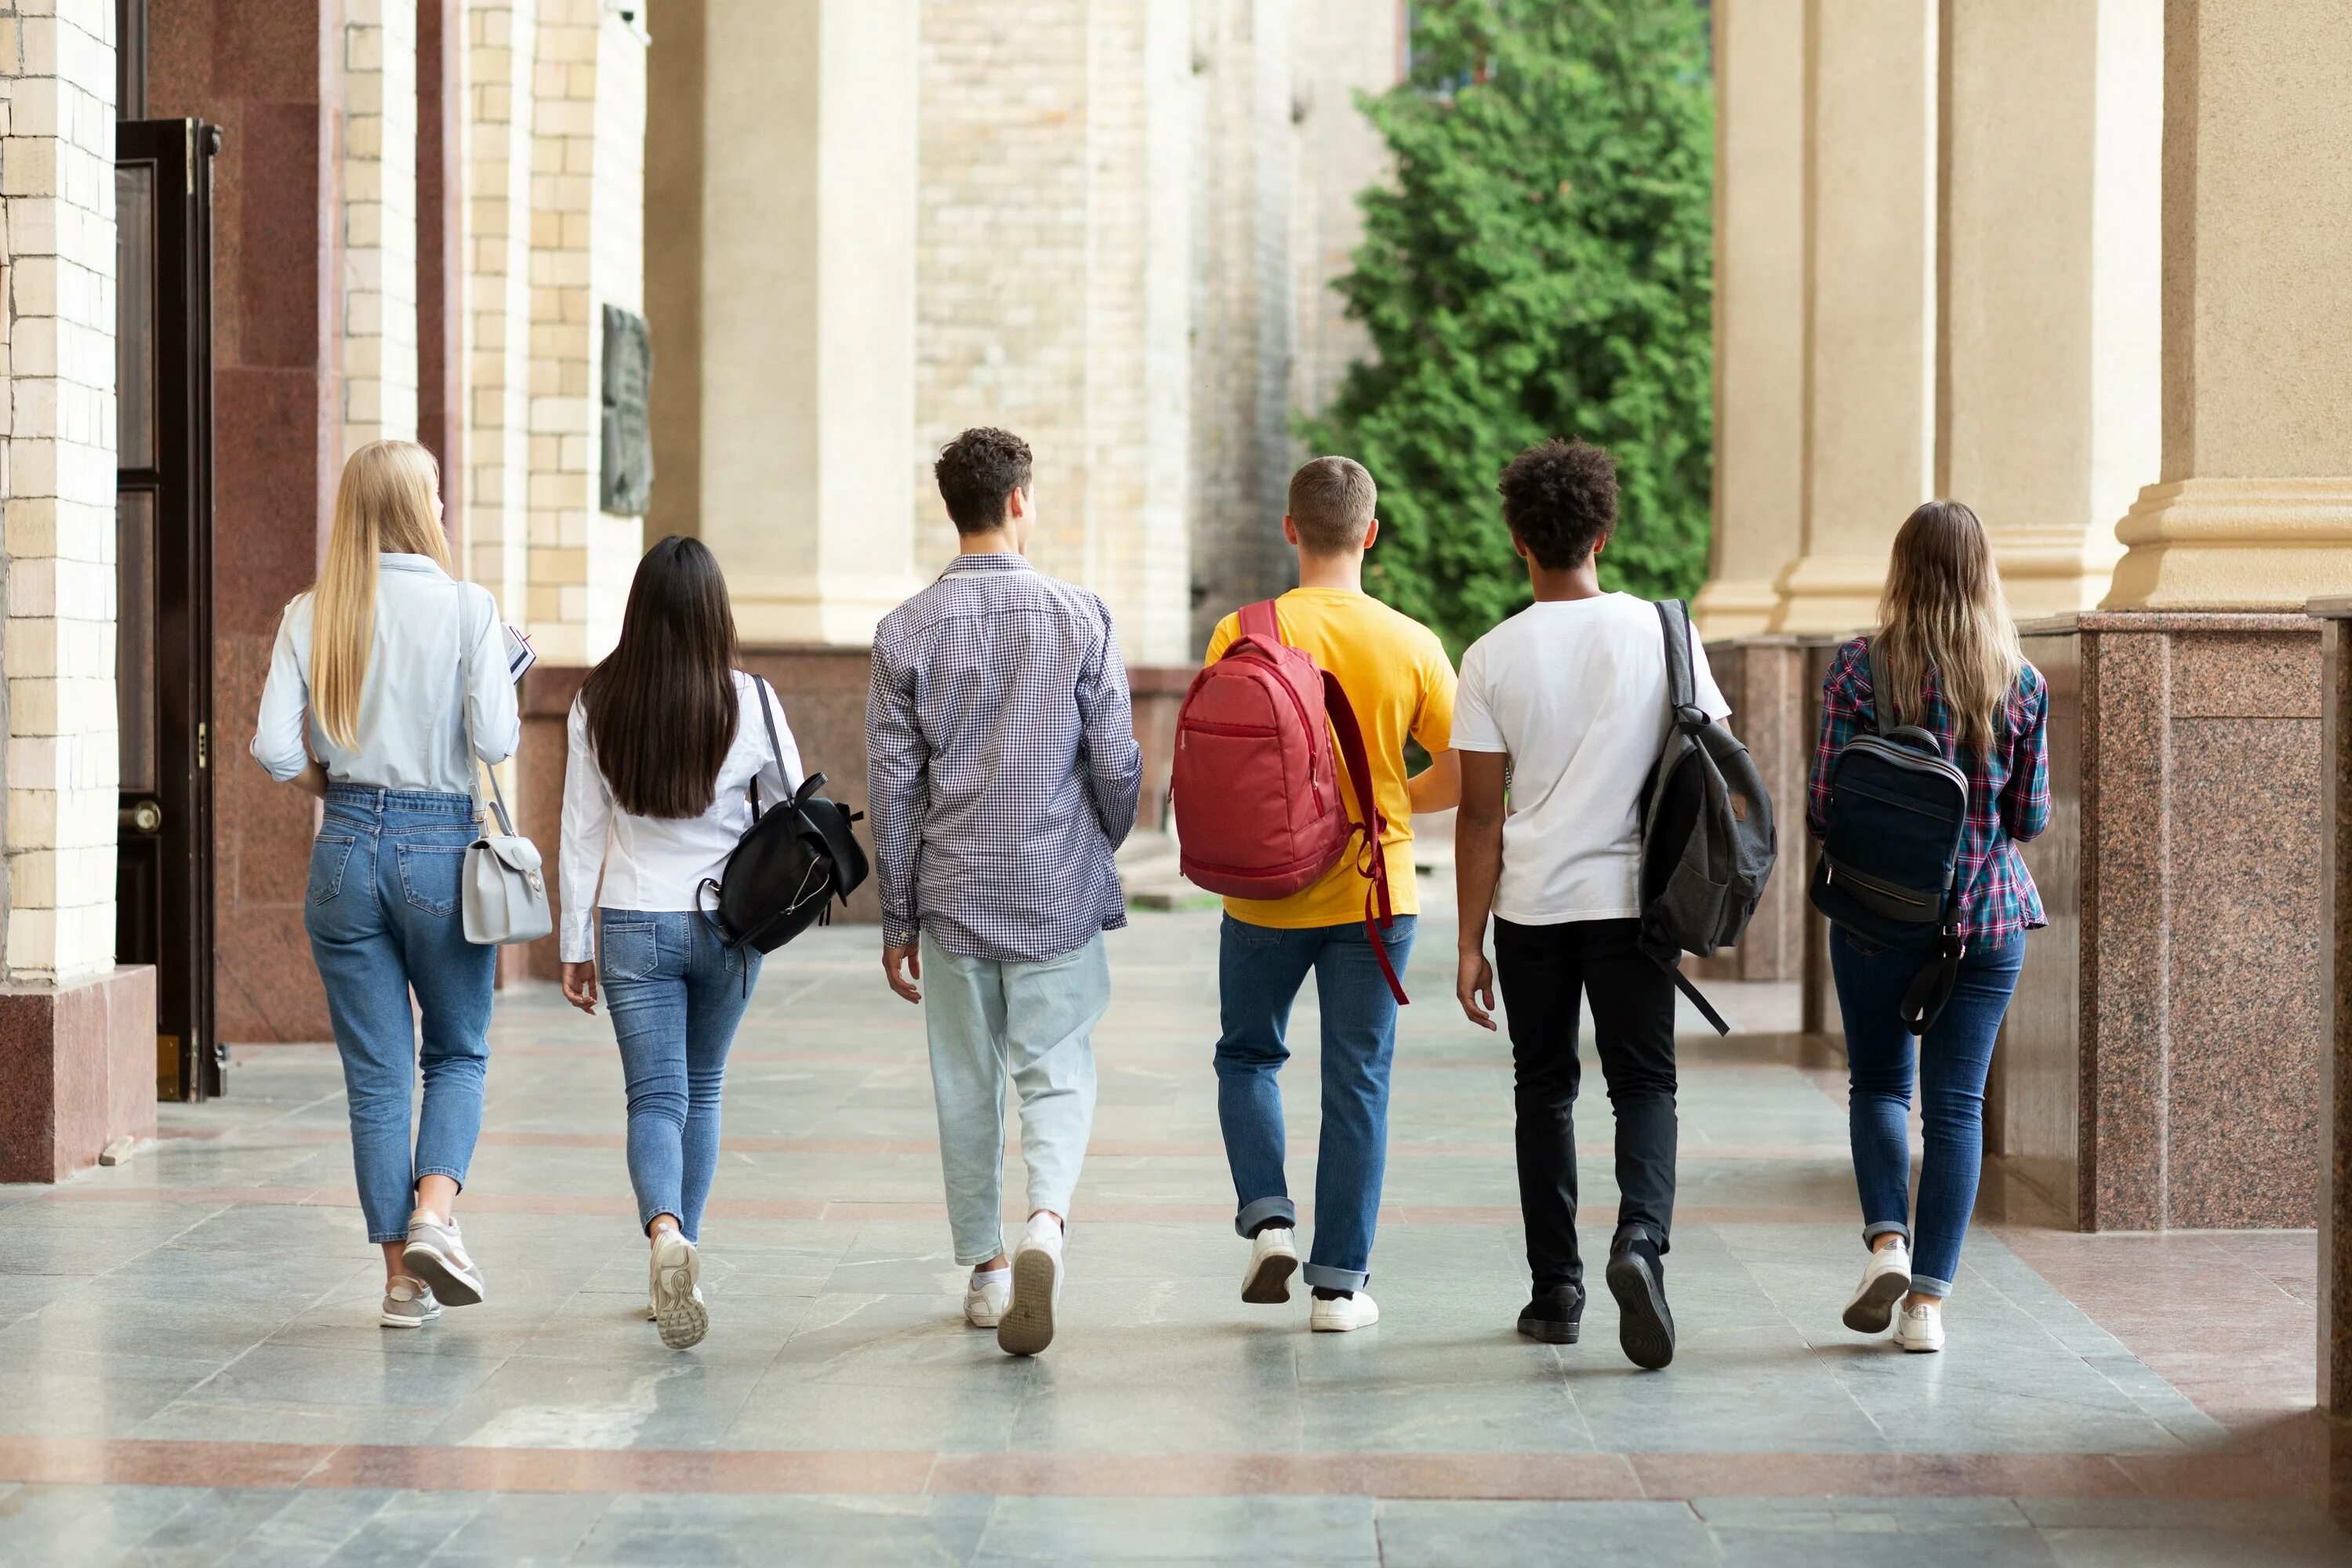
1543	971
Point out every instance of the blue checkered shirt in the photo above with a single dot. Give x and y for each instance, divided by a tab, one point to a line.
1001	764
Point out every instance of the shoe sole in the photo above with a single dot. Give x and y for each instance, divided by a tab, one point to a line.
1027	1325
390	1322
1549	1331
1646	1329
451	1288
1269	1283
1873	1310
682	1320
1320	1326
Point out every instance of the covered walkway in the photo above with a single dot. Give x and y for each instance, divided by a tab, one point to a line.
190	1370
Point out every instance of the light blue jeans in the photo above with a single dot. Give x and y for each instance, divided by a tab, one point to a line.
1033	1022
675	996
383	919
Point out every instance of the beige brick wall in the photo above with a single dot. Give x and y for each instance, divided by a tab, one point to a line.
501	39
379	222
57	474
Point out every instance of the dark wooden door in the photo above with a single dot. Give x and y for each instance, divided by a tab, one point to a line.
164	523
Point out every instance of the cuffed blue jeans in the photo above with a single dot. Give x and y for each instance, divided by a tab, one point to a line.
1035	1024
1259	972
676	995
1952	1062
383	919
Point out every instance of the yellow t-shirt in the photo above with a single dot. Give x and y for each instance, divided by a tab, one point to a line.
1399	681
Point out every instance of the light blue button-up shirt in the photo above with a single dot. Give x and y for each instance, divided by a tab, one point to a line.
437	671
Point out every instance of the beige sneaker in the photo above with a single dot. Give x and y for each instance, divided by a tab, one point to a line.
436	1253
409	1304
679	1308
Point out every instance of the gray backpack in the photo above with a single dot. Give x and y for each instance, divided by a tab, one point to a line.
1707	844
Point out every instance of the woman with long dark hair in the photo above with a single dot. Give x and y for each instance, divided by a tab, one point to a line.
1952	661
667	740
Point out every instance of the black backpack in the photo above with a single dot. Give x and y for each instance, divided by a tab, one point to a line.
787	868
1889	867
1707	841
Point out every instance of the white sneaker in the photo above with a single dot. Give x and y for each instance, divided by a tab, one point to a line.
1921	1327
1026	1326
678	1310
1274	1258
985	1296
1885	1280
1343	1314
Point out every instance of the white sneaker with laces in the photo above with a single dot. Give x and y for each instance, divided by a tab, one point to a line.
1274	1258
1342	1313
984	1297
437	1254
679	1308
1885	1280
1027	1325
1920	1327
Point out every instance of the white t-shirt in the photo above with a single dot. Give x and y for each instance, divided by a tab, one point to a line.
1574	691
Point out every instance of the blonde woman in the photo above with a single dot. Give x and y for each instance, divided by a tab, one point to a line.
1951	657
388	681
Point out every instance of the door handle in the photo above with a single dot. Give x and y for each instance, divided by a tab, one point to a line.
146	816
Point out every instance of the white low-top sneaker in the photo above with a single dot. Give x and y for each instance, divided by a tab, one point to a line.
1920	1327
437	1254
679	1308
1027	1324
985	1296
1274	1258
1343	1314
409	1304
1885	1280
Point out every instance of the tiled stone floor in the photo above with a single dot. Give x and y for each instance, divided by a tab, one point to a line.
191	1371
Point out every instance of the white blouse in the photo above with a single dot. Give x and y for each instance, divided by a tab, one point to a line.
656	863
438	669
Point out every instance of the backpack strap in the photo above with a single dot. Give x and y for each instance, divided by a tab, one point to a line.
1260	621
1881	689
1379	914
1681	685
775	749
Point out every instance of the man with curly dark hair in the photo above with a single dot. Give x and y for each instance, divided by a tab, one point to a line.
1568	701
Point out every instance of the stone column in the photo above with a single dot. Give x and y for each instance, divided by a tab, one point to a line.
2336	996
501	40
379	315
2050	338
1760	311
808	311
2253	505
1870	300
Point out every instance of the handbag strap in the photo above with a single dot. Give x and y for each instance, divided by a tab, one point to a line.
466	728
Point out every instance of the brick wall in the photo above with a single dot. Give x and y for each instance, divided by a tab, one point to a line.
380	392
501	39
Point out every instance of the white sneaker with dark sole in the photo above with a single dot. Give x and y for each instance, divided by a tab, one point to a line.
437	1254
1343	1314
1885	1280
1274	1258
678	1310
1027	1325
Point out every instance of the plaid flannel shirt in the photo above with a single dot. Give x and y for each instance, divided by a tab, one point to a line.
2009	791
1001	769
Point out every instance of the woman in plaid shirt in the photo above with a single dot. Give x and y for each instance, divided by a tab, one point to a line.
1952	658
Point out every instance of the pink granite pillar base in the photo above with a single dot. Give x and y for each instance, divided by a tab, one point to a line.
77	1071
2336	990
2160	1067
1763	679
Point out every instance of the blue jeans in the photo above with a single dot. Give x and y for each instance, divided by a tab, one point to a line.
1259	971
383	919
675	996
1953	1060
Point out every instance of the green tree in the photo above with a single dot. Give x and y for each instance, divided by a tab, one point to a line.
1540	264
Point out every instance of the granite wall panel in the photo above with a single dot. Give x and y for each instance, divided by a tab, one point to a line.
2334	1101
81	1072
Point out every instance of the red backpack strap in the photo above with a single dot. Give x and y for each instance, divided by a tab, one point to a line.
1260	621
1379	915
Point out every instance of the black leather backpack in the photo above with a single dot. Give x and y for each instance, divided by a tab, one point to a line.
794	859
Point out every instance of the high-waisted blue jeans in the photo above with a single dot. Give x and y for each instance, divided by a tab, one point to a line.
384	919
1953	1060
1259	972
675	996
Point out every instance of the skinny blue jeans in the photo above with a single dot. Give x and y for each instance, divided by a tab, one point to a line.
675	996
384	919
1952	1062
1259	972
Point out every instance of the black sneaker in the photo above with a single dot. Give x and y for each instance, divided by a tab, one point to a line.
1555	1316
1637	1277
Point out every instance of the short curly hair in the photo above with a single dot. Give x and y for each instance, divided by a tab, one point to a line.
977	472
1560	499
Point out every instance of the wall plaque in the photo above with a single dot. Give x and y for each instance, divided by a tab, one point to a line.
628	446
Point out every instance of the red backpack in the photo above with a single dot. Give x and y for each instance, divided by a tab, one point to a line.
1258	813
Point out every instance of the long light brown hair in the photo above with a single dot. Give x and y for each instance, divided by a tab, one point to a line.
389	500
1944	610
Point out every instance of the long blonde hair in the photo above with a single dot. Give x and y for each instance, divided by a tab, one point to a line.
388	500
1944	610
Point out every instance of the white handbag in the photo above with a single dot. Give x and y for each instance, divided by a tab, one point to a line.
504	887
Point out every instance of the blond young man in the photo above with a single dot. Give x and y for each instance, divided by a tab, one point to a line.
1400	685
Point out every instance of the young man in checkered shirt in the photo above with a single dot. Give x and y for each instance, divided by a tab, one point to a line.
1002	773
